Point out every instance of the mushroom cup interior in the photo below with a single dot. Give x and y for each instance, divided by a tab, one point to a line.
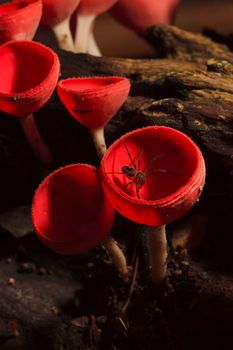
24	66
90	85
11	7
93	101
167	157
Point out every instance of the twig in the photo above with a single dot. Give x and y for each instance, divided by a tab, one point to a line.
124	308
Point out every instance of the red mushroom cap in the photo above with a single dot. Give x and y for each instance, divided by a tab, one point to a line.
19	20
174	168
94	7
56	11
141	14
70	212
93	101
29	74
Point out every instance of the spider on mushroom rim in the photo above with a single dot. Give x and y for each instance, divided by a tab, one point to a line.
137	176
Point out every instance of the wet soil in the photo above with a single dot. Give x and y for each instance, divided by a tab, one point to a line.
53	302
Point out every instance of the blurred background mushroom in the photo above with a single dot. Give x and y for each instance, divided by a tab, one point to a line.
87	11
141	14
19	20
56	15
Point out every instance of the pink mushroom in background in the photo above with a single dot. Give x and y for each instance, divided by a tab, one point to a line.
87	11
141	14
56	14
19	20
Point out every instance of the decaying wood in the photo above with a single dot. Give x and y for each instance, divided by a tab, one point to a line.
190	88
185	46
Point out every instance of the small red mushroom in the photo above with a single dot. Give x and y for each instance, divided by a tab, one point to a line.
19	20
56	14
29	74
87	11
153	176
140	14
71	213
93	102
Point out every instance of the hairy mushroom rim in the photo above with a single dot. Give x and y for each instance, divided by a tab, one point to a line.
14	7
26	67
92	85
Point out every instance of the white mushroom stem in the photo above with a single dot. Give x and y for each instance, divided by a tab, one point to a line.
35	140
158	254
99	141
93	48
116	255
63	35
84	27
111	246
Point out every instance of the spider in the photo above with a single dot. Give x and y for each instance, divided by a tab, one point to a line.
138	176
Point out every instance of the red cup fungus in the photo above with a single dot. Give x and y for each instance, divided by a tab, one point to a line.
93	102
19	20
141	14
87	11
56	14
29	74
153	176
71	213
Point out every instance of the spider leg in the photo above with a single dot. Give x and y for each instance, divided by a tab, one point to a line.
128	183
130	157
137	191
159	156
114	172
163	171
139	158
137	188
